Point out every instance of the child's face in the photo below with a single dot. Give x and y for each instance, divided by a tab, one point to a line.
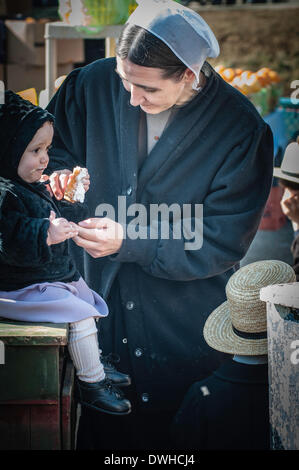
35	159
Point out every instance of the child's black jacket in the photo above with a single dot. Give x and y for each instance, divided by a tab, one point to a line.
25	257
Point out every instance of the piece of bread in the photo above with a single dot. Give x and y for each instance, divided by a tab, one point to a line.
75	191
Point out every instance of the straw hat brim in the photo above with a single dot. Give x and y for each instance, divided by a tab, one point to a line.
219	334
279	174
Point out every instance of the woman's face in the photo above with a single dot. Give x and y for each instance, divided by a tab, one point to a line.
150	90
35	158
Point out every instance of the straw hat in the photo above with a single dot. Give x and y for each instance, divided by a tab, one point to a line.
289	169
239	325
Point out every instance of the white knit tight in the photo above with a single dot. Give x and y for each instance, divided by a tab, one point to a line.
84	350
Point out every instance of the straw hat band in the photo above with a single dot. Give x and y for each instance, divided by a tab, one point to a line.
242	334
219	334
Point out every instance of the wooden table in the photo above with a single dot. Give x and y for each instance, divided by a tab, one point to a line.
59	30
36	387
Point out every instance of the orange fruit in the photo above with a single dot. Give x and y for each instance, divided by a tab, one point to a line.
236	83
219	68
245	75
228	74
263	76
265	70
274	77
253	83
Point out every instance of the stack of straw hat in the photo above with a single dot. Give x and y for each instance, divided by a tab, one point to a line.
239	325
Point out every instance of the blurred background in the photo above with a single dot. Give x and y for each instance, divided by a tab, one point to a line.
252	35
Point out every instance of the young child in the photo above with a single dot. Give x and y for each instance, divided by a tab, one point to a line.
38	278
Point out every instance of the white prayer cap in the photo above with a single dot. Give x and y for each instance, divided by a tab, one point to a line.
183	30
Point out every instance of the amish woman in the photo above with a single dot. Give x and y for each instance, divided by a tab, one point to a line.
159	125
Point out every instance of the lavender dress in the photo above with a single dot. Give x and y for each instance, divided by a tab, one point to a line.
52	302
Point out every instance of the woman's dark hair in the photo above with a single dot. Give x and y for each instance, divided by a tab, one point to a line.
289	184
145	49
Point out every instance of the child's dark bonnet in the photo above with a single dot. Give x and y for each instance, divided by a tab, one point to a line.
19	122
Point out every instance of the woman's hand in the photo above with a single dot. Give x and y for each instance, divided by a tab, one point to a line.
99	236
290	205
60	230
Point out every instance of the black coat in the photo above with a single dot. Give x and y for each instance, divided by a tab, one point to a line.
228	410
217	152
25	257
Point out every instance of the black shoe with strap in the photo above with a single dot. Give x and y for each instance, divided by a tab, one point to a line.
102	396
116	377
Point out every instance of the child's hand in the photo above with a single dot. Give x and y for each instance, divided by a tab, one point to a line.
44	178
58	182
85	181
60	179
60	230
